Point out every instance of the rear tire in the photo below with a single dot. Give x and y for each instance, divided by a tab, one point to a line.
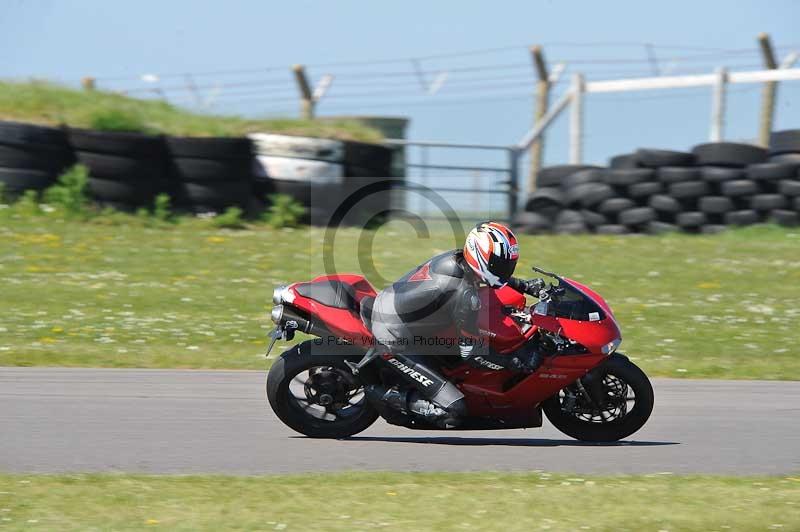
295	362
570	424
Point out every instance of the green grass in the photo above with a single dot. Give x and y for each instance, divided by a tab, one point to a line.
46	103
399	501
193	296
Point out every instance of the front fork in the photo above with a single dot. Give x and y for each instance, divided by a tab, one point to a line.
591	386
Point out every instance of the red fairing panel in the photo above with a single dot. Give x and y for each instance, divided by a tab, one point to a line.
342	323
504	333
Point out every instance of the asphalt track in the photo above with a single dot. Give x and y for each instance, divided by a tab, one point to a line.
173	421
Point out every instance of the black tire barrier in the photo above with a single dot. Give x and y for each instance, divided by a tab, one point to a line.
32	136
612	229
712	229
767	202
214	194
720	174
785	217
665	204
133	145
551	176
729	154
593	219
613	206
771	171
659	228
31	156
570	229
626	160
36	157
658	191
688	189
677	174
122	168
739	188
651	158
199	170
581	177
531	223
789	187
626	177
211	173
570	222
16	180
213	148
637	216
130	192
377	158
786	158
545	199
643	191
569	217
588	194
787	141
691	220
715	204
742	217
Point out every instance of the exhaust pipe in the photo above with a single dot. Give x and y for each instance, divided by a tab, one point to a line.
288	318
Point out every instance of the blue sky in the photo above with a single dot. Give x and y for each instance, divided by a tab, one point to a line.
486	97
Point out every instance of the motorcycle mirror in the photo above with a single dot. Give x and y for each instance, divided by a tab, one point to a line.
543	272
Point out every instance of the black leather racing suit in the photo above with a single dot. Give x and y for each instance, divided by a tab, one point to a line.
433	309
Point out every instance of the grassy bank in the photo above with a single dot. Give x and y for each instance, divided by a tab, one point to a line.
45	103
398	501
193	296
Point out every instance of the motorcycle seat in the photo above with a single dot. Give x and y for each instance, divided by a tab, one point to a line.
331	293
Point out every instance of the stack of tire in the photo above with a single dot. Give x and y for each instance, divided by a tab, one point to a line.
308	169
368	185
31	157
126	170
784	151
338	182
653	191
210	174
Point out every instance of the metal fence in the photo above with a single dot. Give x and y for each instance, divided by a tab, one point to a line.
424	172
459	175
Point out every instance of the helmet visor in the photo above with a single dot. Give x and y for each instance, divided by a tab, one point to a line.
501	267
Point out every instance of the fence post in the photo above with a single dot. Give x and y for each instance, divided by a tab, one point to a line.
718	105
576	120
307	97
513	181
768	93
542	101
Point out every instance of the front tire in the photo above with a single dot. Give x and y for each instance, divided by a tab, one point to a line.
317	394
615	419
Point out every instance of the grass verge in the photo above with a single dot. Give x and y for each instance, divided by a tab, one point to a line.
46	103
399	501
190	295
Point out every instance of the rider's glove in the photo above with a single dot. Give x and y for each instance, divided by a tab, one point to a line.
534	286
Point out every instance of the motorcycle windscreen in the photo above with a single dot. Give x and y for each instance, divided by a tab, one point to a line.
580	318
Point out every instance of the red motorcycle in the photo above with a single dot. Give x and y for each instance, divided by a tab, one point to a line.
585	387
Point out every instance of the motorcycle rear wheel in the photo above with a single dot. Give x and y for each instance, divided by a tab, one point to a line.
317	395
615	421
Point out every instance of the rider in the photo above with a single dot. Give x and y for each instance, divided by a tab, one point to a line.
433	309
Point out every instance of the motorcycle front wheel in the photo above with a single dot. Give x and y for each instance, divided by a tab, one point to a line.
626	405
317	394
